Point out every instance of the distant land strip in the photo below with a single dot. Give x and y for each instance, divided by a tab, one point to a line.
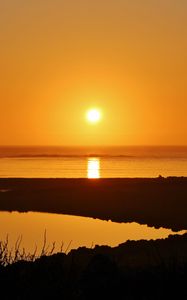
158	202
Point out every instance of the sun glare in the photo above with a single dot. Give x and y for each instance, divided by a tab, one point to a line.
93	169
93	115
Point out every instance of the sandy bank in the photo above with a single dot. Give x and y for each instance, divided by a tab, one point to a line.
157	202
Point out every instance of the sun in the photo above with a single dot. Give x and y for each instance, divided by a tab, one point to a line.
93	115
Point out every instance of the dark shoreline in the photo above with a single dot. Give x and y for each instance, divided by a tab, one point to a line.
154	270
158	202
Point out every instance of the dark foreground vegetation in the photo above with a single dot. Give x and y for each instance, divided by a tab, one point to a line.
159	202
133	270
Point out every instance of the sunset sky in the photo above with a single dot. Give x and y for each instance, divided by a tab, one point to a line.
60	58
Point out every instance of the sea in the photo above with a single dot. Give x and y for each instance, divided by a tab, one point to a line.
82	162
93	162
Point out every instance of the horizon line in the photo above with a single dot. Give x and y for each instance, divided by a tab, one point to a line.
82	146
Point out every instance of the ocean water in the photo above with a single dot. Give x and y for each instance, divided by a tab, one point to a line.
92	162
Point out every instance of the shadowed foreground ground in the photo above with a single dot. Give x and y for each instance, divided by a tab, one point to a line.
160	202
133	270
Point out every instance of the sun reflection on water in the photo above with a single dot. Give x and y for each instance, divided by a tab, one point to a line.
93	168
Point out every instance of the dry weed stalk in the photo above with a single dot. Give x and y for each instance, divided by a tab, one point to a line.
17	253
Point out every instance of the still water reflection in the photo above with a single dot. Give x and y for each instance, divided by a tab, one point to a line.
93	168
80	231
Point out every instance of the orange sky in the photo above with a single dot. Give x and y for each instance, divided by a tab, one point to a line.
58	58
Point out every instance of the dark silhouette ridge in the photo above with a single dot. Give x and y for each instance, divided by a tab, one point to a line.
133	270
160	202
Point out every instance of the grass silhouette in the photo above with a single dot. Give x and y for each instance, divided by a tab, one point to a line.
154	270
11	255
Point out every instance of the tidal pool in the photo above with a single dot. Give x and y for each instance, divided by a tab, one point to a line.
71	231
